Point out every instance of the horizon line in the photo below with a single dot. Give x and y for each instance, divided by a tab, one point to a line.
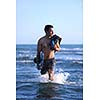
61	44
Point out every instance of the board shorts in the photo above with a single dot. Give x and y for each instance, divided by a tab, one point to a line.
48	64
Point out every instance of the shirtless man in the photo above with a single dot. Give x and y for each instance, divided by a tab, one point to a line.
49	54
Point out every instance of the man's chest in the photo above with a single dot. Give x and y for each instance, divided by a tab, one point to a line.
46	44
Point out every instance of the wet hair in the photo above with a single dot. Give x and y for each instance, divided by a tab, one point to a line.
47	27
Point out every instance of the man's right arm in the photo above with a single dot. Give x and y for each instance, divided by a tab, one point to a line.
39	49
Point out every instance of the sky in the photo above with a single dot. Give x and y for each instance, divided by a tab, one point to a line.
65	15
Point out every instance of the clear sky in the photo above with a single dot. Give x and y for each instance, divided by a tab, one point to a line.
65	15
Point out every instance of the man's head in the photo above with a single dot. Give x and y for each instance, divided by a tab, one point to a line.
48	30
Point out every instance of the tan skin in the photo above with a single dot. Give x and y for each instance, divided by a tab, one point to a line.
43	45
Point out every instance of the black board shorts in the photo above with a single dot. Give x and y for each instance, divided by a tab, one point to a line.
48	64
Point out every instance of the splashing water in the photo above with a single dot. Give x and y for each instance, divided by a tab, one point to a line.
60	77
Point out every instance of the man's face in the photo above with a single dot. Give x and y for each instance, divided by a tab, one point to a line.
50	32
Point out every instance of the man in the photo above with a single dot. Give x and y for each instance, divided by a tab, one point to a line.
49	53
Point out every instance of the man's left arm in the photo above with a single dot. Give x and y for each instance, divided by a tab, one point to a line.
57	47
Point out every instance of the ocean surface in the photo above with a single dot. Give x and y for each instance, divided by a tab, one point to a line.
68	84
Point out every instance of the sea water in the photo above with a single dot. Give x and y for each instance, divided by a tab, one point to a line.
68	79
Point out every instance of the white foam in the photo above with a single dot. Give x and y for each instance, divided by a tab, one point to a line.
24	51
59	78
72	49
24	61
68	57
78	62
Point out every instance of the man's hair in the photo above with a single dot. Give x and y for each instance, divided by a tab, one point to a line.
47	27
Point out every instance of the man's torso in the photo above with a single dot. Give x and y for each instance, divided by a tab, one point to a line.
48	53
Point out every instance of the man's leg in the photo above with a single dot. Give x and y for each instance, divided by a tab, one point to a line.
51	74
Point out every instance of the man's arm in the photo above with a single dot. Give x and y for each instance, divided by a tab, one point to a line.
57	47
39	49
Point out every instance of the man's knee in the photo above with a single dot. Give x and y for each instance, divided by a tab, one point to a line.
50	71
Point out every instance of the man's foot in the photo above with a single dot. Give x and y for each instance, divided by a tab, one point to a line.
51	78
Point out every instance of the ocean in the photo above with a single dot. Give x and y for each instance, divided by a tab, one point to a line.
30	85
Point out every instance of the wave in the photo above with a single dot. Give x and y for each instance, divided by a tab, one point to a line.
77	62
23	51
22	55
24	61
79	53
25	56
60	77
71	49
64	58
74	61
